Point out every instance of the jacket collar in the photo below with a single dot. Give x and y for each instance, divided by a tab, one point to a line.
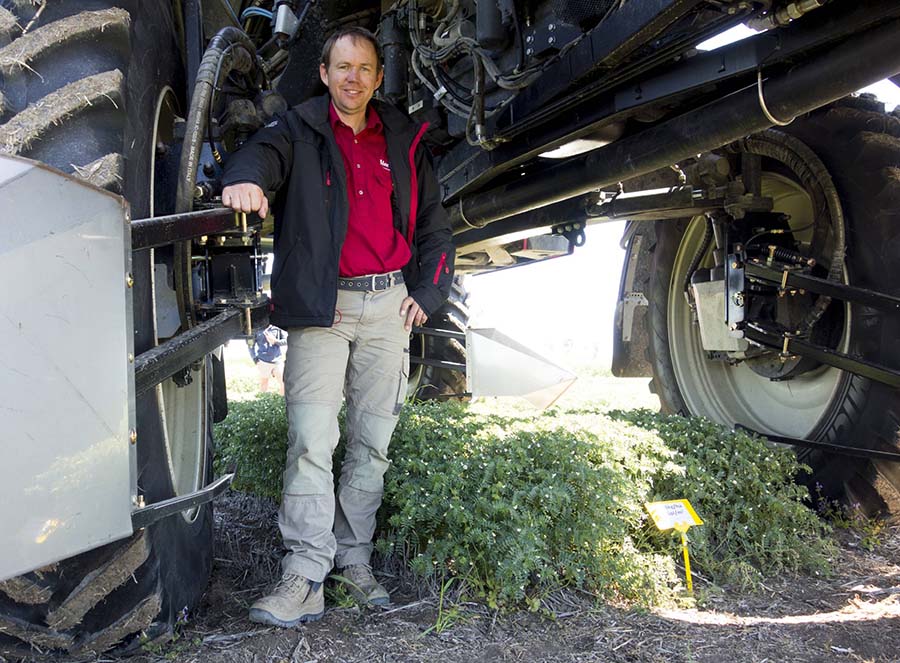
315	113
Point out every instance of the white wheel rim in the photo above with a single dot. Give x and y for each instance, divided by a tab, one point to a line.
182	410
736	394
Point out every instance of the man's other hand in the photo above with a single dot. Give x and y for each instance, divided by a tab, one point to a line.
413	314
246	197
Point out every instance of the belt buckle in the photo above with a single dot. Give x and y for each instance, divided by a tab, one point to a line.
374	285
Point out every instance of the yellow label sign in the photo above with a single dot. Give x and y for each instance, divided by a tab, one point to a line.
673	514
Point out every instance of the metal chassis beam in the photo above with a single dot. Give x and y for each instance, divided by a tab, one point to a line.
466	168
858	60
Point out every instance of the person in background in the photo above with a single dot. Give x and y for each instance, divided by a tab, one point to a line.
267	352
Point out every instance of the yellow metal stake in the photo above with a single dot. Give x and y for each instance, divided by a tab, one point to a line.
687	562
680	516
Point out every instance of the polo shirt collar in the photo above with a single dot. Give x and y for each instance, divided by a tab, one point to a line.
373	121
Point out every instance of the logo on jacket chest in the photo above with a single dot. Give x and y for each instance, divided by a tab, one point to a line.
384	164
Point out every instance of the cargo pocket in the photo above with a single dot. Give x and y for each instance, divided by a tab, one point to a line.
404	382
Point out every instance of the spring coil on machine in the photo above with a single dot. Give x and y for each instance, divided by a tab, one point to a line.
787	255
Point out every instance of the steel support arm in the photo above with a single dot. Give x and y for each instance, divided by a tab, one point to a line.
864	296
148	515
162	230
164	361
795	346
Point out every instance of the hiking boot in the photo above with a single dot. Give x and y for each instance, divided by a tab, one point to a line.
294	600
363	587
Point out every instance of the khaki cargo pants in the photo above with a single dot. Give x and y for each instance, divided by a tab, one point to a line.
364	358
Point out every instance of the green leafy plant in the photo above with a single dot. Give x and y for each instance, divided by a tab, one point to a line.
253	438
743	487
337	593
516	505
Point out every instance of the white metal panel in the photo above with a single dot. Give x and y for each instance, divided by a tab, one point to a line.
66	382
497	365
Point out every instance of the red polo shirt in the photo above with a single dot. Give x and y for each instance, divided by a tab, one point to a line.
372	245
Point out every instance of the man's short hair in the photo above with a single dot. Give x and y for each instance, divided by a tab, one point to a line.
355	32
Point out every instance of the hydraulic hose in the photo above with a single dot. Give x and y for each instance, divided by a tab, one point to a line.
827	209
230	50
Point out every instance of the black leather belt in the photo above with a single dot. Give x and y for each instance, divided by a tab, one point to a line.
372	283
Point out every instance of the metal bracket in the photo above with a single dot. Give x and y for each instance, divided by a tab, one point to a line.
734	295
630	302
574	232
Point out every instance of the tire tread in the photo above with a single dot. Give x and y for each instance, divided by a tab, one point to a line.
19	54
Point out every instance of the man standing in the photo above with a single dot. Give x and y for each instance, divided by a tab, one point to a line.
362	253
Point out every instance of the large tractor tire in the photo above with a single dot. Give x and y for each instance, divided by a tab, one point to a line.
433	382
842	161
92	88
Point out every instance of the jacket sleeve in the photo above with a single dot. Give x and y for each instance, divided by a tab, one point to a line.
433	239
265	159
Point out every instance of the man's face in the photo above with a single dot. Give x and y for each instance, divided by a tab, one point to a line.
353	74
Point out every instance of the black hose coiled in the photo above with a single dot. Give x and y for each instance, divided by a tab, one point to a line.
231	49
825	198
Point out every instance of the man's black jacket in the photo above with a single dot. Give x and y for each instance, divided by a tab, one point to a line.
297	156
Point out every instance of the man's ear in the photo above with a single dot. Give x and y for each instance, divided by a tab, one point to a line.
323	73
380	77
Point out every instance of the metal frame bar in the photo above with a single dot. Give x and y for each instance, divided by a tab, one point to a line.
839	449
148	515
864	296
163	361
443	333
162	230
450	365
796	346
678	203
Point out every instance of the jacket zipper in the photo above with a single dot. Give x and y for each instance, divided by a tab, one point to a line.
440	268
